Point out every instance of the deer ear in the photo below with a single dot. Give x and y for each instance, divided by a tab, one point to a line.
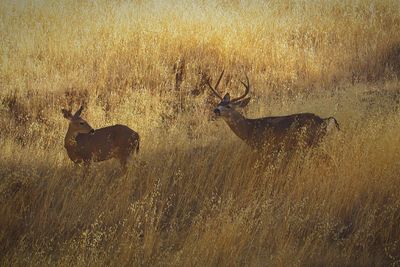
243	103
78	113
227	97
67	114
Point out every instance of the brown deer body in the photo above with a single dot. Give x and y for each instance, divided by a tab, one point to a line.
272	133
84	144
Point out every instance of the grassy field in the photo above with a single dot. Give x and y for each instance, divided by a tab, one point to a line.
196	195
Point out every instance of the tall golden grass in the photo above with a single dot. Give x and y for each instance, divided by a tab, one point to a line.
196	195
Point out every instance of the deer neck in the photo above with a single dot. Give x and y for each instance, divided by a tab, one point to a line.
238	124
74	150
70	139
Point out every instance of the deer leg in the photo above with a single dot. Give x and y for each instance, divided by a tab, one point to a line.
86	165
83	167
124	160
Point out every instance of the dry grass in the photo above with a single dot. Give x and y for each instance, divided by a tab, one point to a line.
196	195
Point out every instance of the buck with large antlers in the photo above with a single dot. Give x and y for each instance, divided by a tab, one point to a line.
85	144
276	133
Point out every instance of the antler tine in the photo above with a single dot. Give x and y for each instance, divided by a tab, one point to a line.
214	90
219	79
247	86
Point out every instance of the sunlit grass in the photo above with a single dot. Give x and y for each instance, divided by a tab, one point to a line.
195	194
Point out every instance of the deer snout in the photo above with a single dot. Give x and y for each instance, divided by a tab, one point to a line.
217	111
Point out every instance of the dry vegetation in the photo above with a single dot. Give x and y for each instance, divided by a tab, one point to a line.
196	195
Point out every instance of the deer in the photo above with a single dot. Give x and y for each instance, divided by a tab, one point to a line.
275	134
85	144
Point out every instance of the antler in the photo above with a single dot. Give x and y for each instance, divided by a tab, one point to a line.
247	86
214	90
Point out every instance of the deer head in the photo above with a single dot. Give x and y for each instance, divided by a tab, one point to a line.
77	125
228	105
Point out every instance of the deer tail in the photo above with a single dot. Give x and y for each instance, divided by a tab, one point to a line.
137	144
331	120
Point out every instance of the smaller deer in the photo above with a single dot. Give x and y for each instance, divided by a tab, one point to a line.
271	133
85	144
